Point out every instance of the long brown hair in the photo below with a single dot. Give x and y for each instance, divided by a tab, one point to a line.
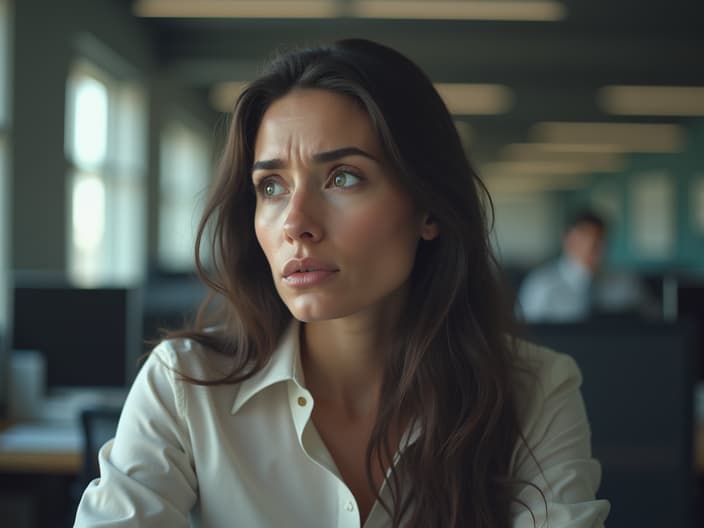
451	368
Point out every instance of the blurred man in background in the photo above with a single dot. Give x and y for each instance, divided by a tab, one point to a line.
574	287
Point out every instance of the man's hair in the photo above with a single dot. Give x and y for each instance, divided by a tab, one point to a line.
587	217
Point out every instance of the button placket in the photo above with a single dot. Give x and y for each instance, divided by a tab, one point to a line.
301	405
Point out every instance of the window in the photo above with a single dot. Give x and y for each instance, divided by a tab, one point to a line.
185	173
4	64
105	144
4	165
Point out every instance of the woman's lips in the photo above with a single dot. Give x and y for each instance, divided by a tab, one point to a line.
308	278
307	272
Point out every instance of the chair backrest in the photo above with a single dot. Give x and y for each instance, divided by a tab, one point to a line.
638	389
99	425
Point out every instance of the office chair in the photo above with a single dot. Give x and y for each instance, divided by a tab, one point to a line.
99	425
638	389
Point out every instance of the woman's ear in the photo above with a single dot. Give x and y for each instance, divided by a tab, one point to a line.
429	229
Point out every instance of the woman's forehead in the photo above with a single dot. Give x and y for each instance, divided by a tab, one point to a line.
314	120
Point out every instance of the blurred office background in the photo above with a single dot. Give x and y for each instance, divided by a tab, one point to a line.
111	116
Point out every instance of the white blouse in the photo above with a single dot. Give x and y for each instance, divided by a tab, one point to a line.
248	455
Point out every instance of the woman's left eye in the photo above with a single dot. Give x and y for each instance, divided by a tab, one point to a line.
345	179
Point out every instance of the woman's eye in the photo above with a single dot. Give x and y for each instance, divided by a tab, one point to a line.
270	188
345	179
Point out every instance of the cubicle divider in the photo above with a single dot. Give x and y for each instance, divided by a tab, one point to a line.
638	388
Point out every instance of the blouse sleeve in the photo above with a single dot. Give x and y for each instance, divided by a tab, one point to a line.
559	463
147	478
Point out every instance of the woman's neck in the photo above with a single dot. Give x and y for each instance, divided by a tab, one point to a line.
343	364
343	359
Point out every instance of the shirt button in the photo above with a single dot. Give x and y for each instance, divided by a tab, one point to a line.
302	401
349	506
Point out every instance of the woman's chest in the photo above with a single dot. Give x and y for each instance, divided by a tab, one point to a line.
267	465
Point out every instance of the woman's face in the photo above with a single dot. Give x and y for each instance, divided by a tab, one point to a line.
338	231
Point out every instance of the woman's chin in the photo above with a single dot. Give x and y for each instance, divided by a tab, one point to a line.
310	312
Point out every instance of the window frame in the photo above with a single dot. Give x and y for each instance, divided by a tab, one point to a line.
187	200
120	257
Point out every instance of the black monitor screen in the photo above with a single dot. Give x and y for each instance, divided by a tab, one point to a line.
88	336
690	306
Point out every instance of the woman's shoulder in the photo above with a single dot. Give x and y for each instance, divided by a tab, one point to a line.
187	356
543	373
548	364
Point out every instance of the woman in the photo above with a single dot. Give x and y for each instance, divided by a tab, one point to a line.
361	373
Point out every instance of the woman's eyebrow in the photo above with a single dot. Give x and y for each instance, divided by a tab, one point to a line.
320	157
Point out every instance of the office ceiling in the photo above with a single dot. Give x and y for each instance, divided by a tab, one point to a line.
553	68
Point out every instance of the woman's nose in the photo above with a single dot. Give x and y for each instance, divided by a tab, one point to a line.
301	222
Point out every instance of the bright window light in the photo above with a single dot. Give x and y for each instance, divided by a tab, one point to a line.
88	213
105	149
90	133
185	173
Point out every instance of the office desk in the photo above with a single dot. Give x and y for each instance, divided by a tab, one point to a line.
59	450
54	463
41	448
699	449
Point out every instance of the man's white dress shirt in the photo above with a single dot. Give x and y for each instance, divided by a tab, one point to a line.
565	291
248	455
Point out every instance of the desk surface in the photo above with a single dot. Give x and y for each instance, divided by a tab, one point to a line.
699	449
63	454
41	448
55	463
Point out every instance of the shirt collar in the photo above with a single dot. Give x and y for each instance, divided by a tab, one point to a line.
573	271
284	365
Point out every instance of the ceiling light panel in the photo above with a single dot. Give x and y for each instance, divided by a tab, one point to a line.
652	100
507	10
523	184
476	99
236	8
631	137
528	10
223	95
529	152
461	99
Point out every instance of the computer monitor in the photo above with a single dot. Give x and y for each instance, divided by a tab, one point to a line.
690	307
91	338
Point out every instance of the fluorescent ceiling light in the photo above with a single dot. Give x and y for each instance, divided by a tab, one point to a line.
235	8
528	152
576	148
464	130
223	95
537	168
528	10
524	184
632	137
520	10
476	99
652	100
461	99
